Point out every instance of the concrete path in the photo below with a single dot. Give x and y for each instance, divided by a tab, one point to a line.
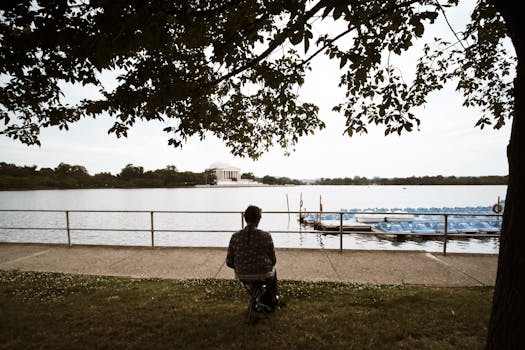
374	267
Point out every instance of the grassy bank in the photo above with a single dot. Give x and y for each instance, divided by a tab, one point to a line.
47	310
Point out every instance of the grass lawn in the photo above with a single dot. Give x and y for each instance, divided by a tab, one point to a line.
59	311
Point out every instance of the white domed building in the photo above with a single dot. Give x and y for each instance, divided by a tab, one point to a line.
225	172
228	175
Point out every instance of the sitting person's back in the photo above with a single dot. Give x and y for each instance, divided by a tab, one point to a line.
251	252
252	255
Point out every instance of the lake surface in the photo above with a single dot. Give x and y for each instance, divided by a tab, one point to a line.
333	198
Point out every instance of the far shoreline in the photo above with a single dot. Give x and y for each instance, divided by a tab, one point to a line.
221	186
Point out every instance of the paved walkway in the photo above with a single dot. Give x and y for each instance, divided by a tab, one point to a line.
375	267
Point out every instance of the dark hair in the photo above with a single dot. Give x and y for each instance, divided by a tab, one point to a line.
252	214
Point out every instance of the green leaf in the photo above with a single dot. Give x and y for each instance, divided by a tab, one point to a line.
338	11
343	61
306	44
296	38
419	29
327	10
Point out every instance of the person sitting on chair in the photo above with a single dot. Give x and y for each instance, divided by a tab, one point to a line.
252	255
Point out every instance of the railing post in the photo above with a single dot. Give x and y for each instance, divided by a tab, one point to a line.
340	232
68	229
445	235
152	231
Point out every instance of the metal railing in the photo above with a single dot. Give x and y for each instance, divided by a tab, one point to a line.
340	229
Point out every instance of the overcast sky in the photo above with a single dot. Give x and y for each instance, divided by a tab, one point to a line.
447	143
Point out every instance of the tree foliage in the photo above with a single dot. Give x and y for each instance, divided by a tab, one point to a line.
186	63
234	68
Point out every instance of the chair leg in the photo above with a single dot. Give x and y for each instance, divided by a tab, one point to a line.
261	306
256	292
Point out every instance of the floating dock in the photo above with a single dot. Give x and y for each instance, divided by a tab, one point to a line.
410	223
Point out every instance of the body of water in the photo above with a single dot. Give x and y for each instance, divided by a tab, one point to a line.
333	198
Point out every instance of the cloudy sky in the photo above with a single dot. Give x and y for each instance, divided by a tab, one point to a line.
446	144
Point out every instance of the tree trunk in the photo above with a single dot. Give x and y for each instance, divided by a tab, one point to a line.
507	321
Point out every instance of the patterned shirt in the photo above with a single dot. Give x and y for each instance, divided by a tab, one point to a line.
251	251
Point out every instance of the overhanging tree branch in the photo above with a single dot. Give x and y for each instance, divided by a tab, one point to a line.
449	25
281	37
279	40
331	41
350	29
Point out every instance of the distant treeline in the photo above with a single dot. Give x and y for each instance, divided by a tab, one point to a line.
424	180
272	180
76	176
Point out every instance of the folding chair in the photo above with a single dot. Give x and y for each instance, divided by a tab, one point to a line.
256	290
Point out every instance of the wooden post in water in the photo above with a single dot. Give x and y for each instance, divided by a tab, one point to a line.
445	236
320	209
288	206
